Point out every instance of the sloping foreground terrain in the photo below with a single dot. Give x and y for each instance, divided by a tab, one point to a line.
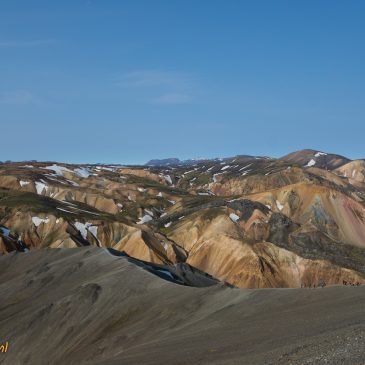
253	222
86	306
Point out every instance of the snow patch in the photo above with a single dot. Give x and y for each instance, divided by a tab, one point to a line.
64	210
146	218
58	170
320	154
168	179
105	168
40	186
234	217
93	230
311	163
245	167
82	172
85	227
215	176
23	183
279	205
38	221
73	183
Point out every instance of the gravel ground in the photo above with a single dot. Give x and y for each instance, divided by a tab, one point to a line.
85	306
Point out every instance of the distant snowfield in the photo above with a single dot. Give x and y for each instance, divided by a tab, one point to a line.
58	170
83	172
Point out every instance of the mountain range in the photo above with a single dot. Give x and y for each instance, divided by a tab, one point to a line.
251	222
234	260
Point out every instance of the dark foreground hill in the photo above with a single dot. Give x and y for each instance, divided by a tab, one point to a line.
85	306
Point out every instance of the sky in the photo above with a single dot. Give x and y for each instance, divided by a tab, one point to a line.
107	81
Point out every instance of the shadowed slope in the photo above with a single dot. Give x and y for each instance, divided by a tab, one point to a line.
84	306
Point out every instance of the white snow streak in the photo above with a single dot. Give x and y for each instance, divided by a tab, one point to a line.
279	205
234	217
311	163
37	221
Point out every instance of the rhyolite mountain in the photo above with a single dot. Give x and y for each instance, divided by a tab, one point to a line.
247	221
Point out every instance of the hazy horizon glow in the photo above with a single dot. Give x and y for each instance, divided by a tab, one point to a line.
124	82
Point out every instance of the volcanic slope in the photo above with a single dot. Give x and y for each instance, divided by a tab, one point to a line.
249	221
85	306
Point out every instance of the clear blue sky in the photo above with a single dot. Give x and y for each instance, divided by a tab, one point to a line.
127	81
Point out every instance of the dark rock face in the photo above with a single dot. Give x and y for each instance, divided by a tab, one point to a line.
247	207
280	228
180	273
